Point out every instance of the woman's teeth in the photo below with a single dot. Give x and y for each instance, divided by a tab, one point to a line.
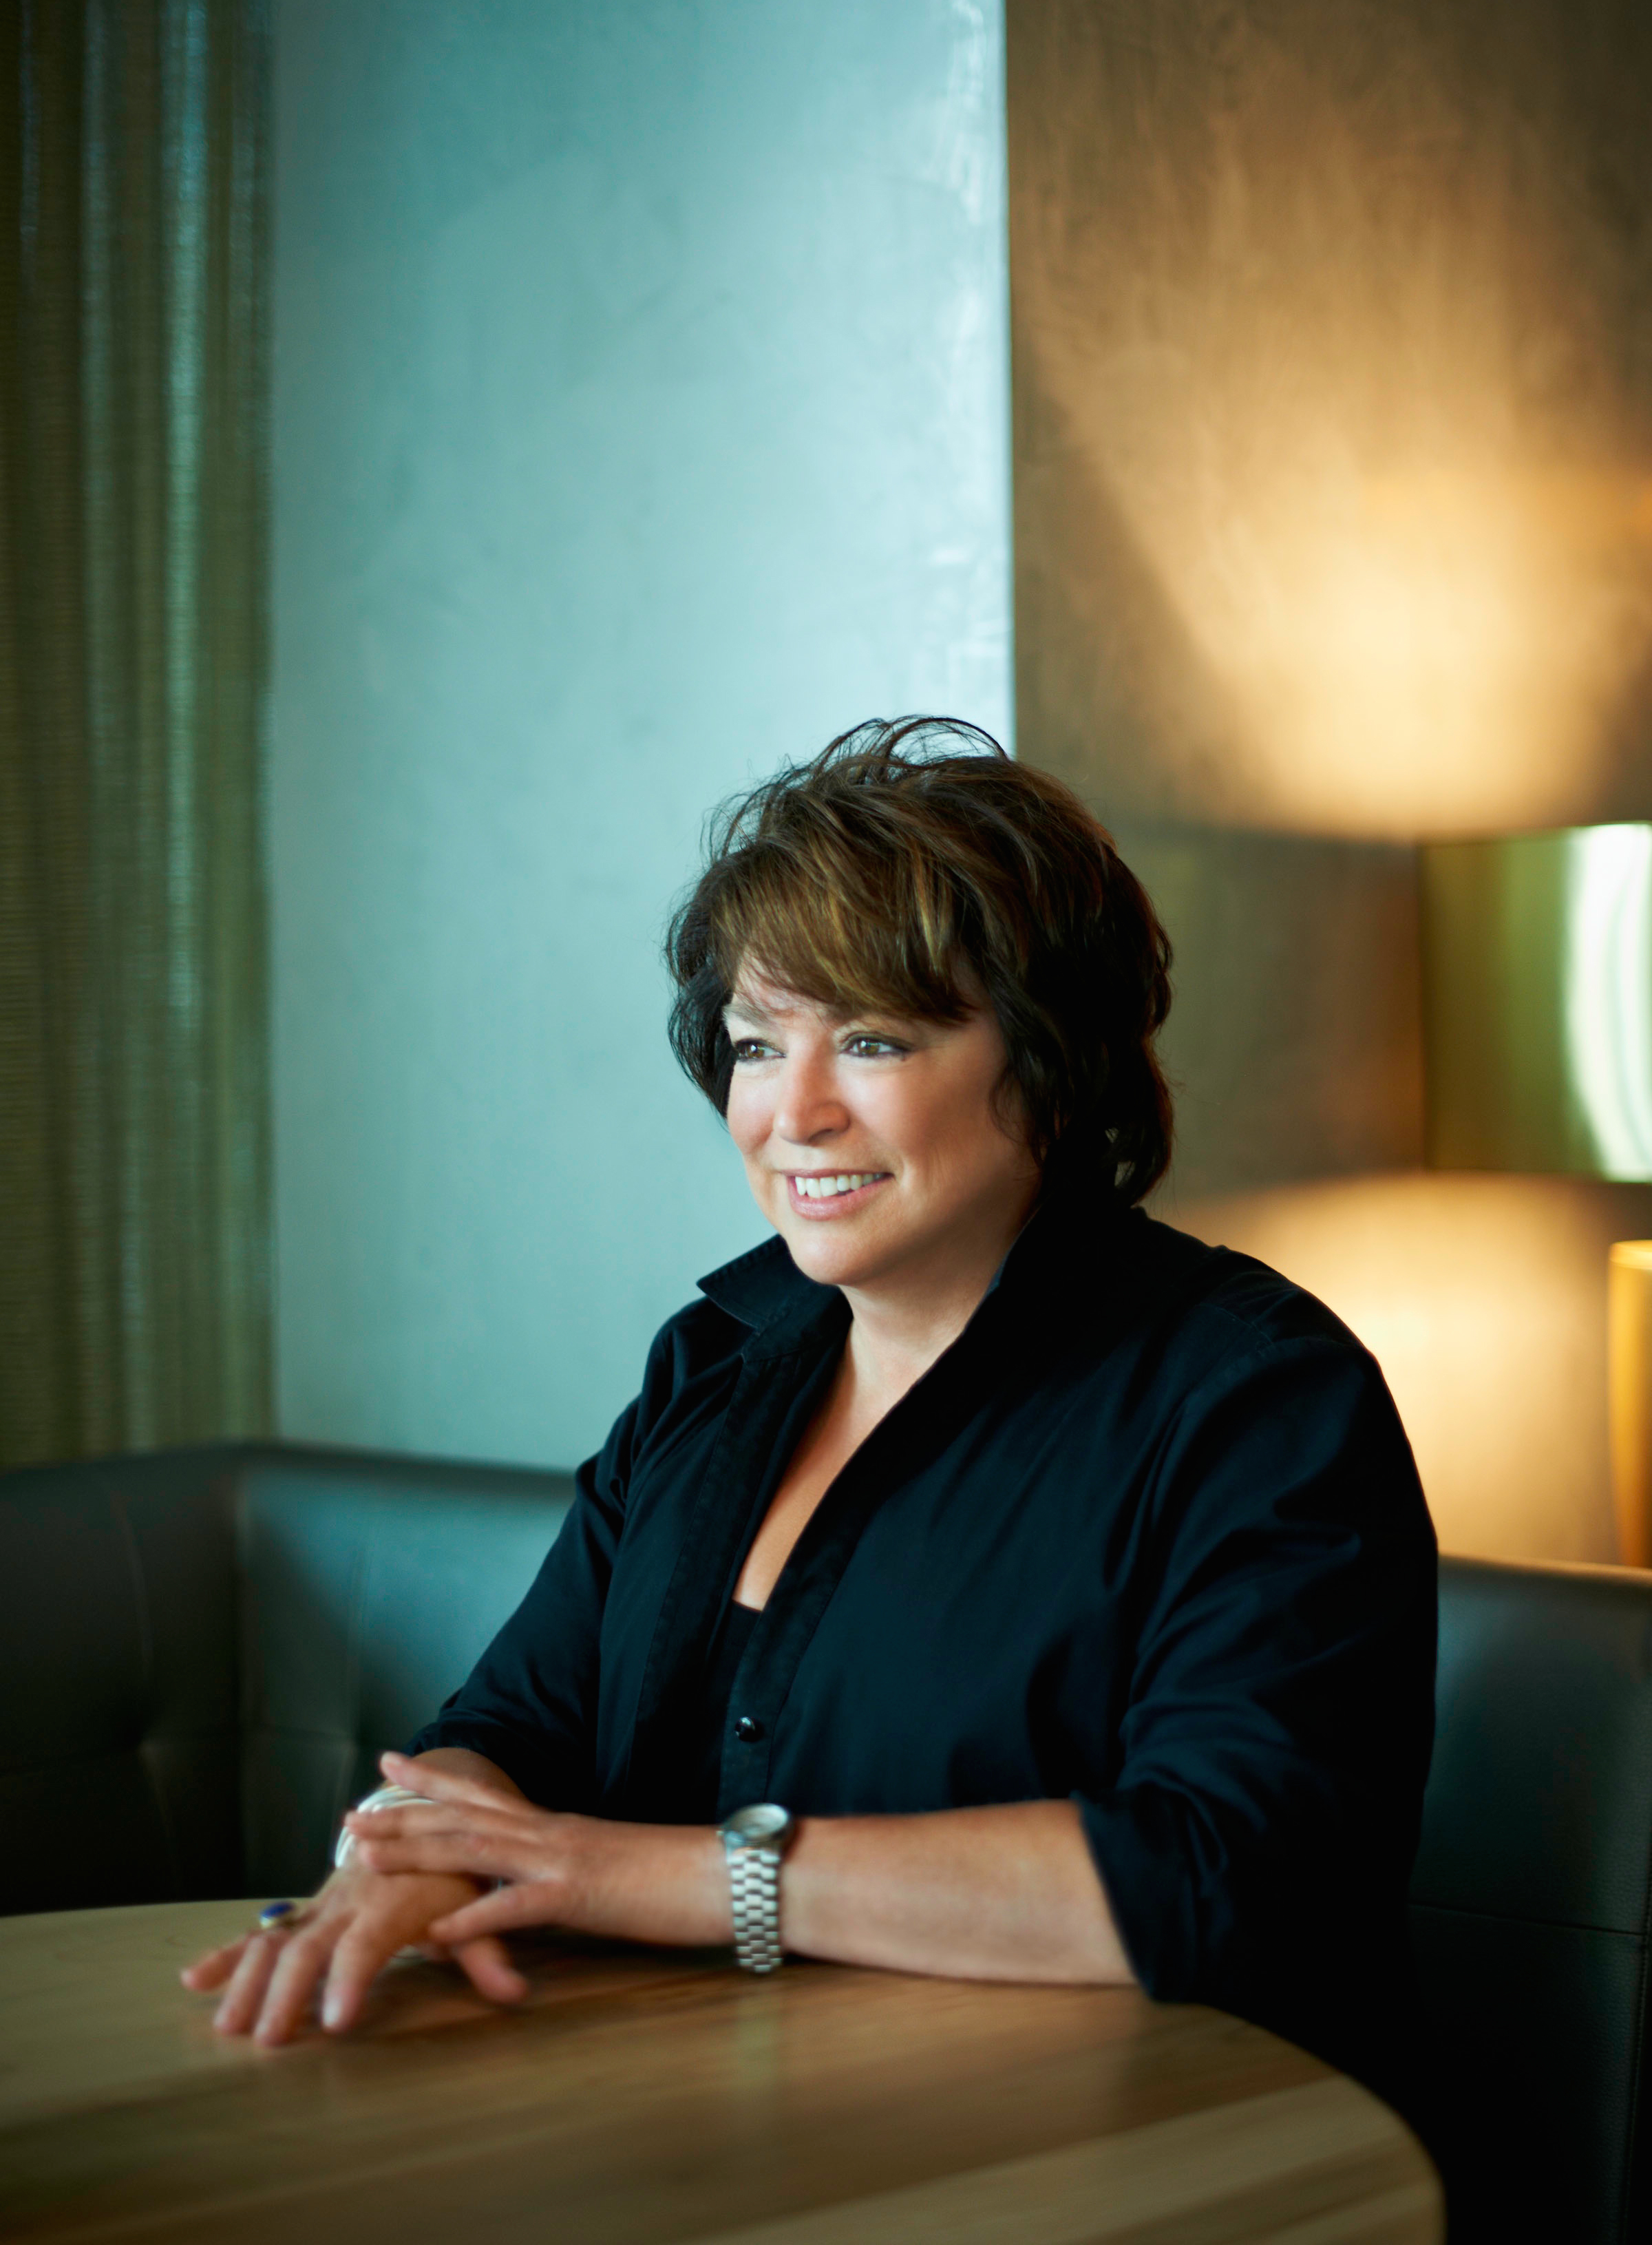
829	1187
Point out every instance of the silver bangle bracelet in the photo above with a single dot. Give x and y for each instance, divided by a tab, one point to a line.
388	1796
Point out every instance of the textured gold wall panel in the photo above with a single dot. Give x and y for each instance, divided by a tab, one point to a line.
1332	333
1292	1043
1332	356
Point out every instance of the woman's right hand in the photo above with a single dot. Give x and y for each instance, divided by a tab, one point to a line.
337	1946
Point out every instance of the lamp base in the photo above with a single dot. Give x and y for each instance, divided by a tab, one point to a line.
1629	1395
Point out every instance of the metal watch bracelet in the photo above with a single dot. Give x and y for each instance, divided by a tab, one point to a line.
754	1839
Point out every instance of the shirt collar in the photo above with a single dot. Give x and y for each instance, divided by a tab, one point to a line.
764	1288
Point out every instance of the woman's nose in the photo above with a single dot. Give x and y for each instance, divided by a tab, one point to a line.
809	1106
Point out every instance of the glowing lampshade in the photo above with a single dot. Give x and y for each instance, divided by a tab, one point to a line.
1537	998
1537	980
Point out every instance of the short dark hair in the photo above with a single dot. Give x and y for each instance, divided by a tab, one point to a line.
908	868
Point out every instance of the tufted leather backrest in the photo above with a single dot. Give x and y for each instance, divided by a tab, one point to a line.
1530	1902
370	1587
203	1651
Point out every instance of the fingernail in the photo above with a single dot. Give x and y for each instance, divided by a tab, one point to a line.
332	2013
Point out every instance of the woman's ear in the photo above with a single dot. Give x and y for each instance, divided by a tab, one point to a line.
1009	1112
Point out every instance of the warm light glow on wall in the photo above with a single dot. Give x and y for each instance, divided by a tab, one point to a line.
1484	1301
1328	344
1438	664
1383	650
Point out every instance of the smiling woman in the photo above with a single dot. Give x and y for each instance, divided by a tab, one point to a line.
985	1580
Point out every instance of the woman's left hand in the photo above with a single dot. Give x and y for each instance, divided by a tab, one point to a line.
639	1881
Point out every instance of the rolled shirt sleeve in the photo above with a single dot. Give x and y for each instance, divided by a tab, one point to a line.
1255	1845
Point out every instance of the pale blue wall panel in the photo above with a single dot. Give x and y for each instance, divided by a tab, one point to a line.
640	419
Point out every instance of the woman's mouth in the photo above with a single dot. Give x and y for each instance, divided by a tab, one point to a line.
820	1193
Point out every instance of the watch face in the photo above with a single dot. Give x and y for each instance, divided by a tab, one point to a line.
763	1821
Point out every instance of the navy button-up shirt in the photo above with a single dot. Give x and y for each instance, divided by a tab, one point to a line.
1147	1536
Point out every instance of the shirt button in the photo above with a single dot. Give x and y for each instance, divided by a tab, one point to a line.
748	1728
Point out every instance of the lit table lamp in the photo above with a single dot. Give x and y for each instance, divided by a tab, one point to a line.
1537	1009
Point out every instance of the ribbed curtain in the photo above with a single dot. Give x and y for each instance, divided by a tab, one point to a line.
134	1285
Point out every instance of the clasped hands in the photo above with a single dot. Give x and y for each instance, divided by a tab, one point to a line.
416	1878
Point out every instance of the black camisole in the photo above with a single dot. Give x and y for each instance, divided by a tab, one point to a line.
722	1660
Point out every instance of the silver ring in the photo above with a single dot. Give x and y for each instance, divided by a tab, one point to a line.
276	1913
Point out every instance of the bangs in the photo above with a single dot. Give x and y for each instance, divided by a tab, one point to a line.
856	937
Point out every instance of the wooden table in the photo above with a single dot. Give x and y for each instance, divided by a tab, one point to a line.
643	2096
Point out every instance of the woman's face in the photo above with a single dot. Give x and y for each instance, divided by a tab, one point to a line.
871	1144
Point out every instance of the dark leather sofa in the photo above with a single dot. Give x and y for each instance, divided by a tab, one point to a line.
202	1652
1530	1903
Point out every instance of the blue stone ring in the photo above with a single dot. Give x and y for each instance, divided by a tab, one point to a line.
275	1914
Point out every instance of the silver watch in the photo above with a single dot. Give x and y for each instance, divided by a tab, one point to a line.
754	1839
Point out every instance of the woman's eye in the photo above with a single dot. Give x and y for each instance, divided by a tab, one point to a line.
871	1048
752	1048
